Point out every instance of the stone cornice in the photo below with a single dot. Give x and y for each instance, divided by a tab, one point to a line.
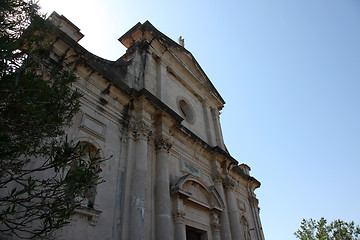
99	64
251	180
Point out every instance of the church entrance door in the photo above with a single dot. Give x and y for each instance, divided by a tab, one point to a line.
192	234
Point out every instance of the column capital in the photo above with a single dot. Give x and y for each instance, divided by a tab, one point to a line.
253	201
141	131
178	216
215	225
217	177
162	143
229	183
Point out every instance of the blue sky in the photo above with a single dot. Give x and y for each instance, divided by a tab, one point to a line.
289	72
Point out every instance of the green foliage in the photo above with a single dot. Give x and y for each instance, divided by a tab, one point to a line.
43	177
320	230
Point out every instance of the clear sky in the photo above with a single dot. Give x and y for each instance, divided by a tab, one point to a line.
289	71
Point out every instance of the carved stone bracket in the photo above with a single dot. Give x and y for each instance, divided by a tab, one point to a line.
163	143
178	216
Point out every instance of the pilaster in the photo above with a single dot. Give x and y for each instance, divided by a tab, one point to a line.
225	231
207	123
254	206
162	190
179	225
217	127
215	227
161	80
232	208
129	169
141	133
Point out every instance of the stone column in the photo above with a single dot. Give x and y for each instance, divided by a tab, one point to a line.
162	190
232	209
130	159
179	225
254	206
138	186
215	227
225	231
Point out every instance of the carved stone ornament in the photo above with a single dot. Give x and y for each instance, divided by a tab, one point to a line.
245	228
215	225
253	201
229	183
141	131
217	177
178	216
162	143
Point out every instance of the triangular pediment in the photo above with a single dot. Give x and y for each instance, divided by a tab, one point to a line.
182	60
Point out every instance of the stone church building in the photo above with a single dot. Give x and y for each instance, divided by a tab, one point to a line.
156	113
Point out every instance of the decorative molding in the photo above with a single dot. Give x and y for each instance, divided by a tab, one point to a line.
216	201
178	216
197	192
192	189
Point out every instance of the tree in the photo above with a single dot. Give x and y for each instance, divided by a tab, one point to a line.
320	230
43	176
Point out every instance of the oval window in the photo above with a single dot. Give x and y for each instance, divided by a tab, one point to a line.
186	110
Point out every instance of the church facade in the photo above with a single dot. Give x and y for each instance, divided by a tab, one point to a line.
156	113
